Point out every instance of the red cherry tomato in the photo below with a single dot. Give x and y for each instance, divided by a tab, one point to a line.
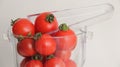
46	22
24	61
63	54
26	47
70	63
45	45
66	38
23	27
54	62
34	63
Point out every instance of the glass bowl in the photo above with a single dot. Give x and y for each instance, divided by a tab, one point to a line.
78	19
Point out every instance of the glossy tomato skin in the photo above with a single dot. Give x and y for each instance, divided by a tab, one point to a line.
34	63
23	27
70	63
26	47
67	40
44	26
63	54
54	62
45	45
24	61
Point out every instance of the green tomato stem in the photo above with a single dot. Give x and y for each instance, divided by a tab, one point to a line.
63	27
50	56
37	57
50	18
20	37
13	21
37	36
29	34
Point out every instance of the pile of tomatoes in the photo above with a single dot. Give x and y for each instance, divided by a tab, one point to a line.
44	43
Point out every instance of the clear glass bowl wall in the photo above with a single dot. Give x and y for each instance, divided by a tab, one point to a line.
77	55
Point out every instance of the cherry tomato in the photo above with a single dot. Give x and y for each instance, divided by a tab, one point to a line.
54	62
66	38
23	27
70	63
34	63
45	45
26	47
63	54
46	22
24	61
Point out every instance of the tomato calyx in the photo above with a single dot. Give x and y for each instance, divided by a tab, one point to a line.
63	27
13	21
29	34
37	57
20	37
37	35
50	18
50	56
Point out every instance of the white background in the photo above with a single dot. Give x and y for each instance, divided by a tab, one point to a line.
102	51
